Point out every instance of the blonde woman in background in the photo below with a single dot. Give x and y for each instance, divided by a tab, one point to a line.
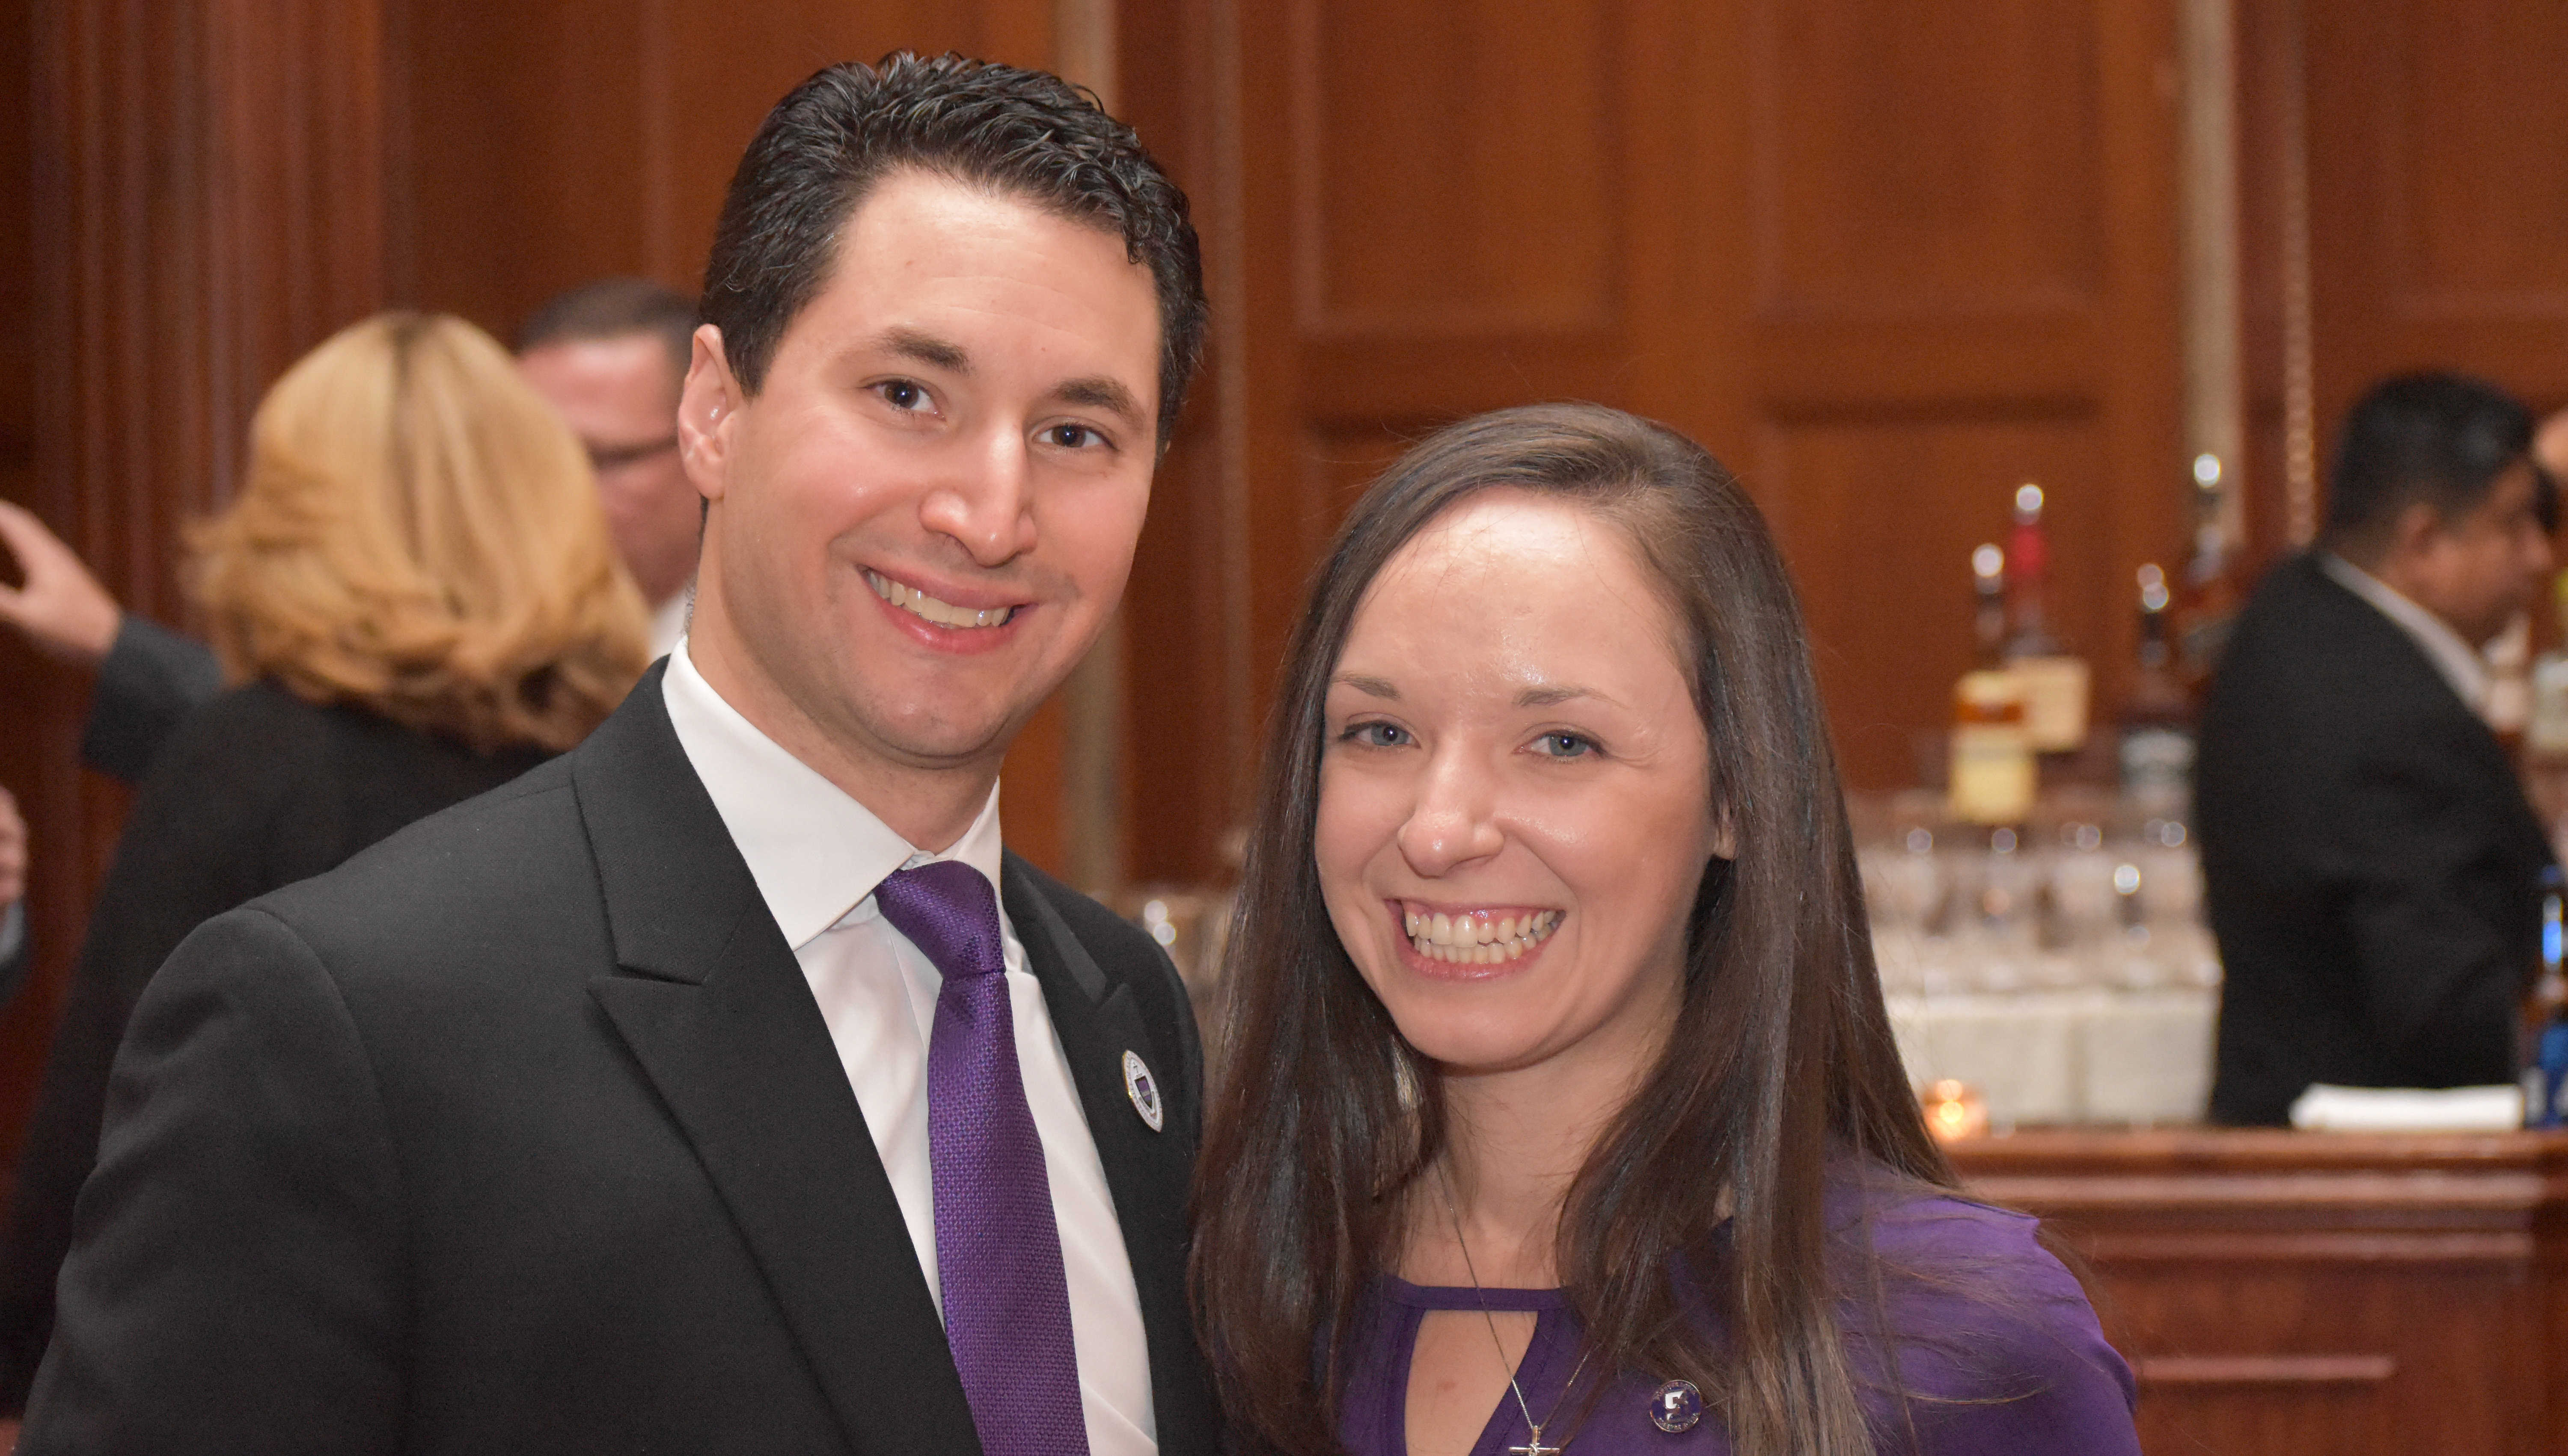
416	600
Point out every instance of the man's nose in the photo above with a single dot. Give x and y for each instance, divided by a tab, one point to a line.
986	501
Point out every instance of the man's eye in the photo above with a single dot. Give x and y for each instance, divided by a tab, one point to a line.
1375	735
1073	437
907	395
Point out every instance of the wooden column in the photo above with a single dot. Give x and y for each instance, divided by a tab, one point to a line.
205	186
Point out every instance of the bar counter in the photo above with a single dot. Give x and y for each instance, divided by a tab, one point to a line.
2340	1293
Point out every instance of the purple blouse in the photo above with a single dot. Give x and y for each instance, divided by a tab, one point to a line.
1998	1351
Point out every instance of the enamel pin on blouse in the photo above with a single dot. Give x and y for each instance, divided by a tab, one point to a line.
1144	1089
1676	1407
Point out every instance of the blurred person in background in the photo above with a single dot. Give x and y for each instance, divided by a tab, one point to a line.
12	895
611	356
2370	864
415	598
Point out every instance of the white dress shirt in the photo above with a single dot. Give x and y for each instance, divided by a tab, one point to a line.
816	855
2460	663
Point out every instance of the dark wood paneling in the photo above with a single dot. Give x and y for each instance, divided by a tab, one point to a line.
2341	1292
1453	178
2438	211
203	202
1889	264
1927	159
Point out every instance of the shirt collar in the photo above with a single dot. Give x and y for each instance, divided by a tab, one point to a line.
2459	664
815	853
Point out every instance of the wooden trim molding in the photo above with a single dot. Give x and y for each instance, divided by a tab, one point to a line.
2199	1370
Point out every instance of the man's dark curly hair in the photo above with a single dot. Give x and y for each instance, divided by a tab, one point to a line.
1026	132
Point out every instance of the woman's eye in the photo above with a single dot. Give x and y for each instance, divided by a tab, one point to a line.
904	395
1564	745
1375	735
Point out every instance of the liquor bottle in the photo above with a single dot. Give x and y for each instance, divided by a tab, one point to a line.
2157	721
2209	606
2546	735
2545	1070
2055	681
1991	765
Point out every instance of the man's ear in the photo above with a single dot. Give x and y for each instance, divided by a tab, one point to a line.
707	414
2415	529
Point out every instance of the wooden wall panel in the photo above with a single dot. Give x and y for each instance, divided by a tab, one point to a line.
1448	171
1887	262
2436	210
203	202
1926	158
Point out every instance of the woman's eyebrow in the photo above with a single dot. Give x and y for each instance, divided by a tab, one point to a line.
1547	696
1369	686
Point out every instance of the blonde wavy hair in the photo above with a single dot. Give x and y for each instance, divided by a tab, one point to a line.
419	533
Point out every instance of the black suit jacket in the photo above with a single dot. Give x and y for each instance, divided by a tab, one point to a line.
151	679
2372	867
523	1132
257	790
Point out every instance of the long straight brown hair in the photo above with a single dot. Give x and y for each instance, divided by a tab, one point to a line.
1779	1059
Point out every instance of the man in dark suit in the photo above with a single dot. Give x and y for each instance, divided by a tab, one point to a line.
2370	864
723	1084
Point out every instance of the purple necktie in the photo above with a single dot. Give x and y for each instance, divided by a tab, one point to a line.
998	1250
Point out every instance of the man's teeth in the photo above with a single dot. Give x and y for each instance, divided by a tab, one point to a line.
1477	938
943	614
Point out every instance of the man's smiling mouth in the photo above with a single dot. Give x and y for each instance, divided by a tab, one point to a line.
943	614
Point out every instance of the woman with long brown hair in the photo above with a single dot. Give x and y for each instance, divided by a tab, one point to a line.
1558	1109
416	599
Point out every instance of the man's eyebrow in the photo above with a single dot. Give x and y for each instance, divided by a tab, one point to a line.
1371	687
1546	696
925	348
1097	392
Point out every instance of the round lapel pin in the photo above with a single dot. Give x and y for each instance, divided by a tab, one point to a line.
1676	1407
1144	1089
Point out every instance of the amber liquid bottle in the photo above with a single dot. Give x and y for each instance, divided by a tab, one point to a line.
1993	775
2056	681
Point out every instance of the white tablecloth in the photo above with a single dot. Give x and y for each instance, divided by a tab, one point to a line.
2052	1056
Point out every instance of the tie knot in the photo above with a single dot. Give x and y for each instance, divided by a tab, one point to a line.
949	911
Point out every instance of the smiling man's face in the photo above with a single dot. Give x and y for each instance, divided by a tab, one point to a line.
926	516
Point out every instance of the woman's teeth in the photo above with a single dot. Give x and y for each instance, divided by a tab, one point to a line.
943	614
1476	938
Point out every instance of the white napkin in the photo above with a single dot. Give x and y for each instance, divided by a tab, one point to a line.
2408	1109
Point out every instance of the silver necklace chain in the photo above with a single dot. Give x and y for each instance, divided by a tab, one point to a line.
1533	1445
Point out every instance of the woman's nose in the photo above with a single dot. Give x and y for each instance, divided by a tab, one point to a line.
1452	823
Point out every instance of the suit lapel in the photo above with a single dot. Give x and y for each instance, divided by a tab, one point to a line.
715	1008
1099	1020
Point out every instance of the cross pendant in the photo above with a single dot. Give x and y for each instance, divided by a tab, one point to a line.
1533	1446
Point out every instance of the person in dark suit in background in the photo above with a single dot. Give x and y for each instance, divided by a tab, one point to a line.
612	357
2370	865
13	894
415	589
724	1085
609	355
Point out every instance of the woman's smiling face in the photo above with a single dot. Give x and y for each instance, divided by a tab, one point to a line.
1516	798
